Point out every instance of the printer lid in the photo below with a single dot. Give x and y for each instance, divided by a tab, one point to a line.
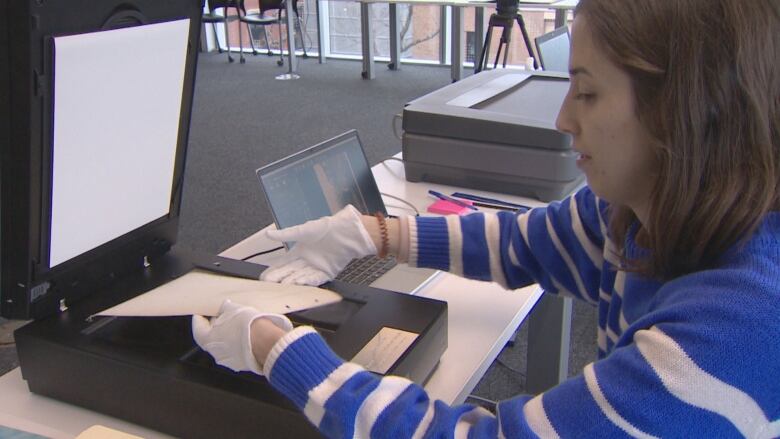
502	106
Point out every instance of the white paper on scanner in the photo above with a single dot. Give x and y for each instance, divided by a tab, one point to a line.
488	90
202	293
117	107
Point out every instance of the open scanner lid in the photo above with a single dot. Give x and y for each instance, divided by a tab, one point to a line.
501	106
99	98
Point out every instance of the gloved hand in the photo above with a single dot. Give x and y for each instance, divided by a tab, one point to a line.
226	337
322	248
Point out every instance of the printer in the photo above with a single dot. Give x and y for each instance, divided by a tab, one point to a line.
495	131
95	104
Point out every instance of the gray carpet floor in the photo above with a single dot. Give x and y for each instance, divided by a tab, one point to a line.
8	359
243	118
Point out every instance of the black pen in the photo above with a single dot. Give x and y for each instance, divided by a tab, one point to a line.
500	207
493	201
441	196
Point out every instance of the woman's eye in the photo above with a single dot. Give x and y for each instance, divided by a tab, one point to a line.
584	96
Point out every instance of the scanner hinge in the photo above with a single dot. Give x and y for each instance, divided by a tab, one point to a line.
38	83
38	291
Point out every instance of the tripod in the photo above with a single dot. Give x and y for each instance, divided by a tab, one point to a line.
506	23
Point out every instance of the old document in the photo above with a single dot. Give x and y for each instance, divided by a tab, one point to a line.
202	293
384	349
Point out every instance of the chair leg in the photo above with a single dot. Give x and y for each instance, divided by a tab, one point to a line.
299	25
251	40
267	42
214	28
281	41
227	37
241	43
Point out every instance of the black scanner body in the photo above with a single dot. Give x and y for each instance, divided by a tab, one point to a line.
147	371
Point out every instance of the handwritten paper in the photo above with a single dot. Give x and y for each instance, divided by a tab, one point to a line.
384	349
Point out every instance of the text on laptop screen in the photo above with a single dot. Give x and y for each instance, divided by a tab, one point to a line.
320	181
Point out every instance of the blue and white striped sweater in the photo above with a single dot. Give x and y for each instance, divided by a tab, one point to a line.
697	356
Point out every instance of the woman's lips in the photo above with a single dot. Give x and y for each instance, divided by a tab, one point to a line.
582	159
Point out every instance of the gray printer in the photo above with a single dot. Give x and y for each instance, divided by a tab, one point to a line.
494	131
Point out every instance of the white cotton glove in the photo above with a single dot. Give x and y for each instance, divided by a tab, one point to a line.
227	338
322	248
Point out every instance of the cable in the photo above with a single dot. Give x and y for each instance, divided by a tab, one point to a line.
397	117
416	212
491	405
384	163
393	158
511	368
265	252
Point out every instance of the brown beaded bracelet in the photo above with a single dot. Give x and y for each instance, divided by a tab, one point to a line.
383	235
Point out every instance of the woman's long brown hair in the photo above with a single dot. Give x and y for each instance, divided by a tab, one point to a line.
706	75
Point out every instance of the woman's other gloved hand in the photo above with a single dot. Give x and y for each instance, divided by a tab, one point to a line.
323	247
227	336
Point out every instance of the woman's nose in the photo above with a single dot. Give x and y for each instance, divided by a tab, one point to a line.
565	121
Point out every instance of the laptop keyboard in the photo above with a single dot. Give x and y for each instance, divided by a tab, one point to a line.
365	270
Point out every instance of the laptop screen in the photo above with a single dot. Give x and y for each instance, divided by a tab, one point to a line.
553	49
320	181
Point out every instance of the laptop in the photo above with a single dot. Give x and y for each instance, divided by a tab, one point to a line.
321	180
553	49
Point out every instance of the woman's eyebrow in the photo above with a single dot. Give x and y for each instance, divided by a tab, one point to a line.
579	70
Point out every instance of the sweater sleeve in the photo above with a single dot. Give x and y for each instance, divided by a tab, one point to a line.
675	372
561	246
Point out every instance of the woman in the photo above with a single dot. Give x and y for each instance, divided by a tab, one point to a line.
673	107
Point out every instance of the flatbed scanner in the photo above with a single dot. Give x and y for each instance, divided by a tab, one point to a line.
495	131
95	104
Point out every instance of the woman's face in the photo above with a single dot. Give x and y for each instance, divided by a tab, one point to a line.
599	113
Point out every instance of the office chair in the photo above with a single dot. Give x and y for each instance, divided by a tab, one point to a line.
258	18
553	49
213	18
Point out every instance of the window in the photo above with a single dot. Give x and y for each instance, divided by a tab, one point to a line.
470	46
420	27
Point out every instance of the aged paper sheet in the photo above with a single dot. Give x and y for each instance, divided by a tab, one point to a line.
200	292
382	351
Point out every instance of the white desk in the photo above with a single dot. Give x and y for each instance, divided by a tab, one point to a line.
481	319
457	42
482	316
549	327
26	411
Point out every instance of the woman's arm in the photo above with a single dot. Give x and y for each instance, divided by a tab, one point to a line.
640	390
561	246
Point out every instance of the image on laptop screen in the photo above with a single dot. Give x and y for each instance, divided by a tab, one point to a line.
320	181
